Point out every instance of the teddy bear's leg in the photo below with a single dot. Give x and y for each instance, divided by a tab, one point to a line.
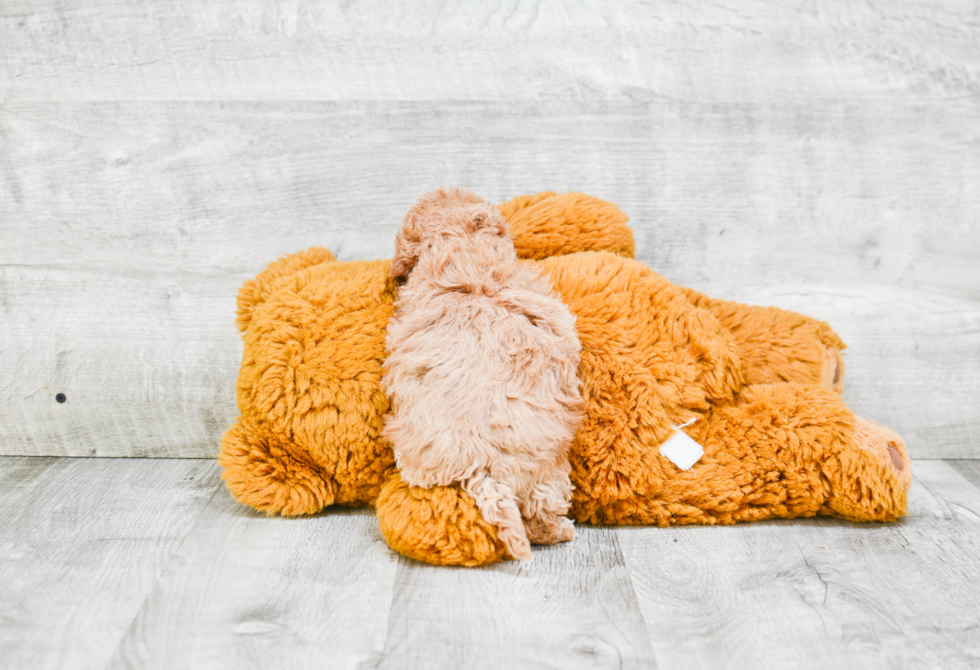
551	224
871	481
788	450
776	345
265	475
440	525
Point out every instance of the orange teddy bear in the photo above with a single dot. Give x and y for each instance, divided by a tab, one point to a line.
762	385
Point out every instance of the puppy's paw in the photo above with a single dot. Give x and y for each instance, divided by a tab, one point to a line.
566	531
518	546
551	530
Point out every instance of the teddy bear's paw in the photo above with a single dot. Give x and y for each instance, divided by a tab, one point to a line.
440	525
886	445
262	474
833	369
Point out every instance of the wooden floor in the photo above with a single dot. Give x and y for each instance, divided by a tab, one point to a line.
142	563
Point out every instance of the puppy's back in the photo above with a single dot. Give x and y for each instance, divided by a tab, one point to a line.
482	370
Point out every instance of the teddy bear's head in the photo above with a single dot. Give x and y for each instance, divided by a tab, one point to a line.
310	382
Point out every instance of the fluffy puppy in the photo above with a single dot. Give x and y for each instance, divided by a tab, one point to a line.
482	370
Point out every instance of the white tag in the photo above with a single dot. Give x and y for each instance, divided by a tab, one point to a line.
681	449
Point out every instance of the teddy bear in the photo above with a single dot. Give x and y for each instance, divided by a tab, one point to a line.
757	389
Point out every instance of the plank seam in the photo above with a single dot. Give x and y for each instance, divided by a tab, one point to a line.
156	581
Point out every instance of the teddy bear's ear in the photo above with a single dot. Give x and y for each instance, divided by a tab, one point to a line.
552	224
254	292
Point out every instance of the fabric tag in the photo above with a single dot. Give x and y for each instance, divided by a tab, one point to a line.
681	449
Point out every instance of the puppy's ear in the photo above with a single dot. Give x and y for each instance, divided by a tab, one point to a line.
408	245
487	218
406	255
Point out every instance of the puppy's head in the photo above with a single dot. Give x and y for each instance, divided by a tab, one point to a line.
438	216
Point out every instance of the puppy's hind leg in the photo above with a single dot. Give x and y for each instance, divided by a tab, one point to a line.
545	510
498	505
550	529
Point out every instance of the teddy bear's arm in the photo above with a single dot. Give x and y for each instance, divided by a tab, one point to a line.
551	224
776	345
260	472
441	525
254	291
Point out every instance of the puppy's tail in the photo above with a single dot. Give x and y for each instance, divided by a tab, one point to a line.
498	505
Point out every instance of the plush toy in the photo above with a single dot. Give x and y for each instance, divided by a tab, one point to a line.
762	386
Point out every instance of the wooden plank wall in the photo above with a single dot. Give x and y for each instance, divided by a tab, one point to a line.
820	156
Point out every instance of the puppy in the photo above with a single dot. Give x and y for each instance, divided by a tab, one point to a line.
482	370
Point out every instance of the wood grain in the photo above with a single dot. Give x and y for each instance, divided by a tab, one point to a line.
128	228
970	469
81	544
146	361
20	474
730	51
113	560
573	607
819	593
250	591
754	195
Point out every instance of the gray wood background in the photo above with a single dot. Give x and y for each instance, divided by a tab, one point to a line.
822	156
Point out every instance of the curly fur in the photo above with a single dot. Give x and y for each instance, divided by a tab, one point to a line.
482	370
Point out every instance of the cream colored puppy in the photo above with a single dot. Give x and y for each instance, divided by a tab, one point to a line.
482	370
